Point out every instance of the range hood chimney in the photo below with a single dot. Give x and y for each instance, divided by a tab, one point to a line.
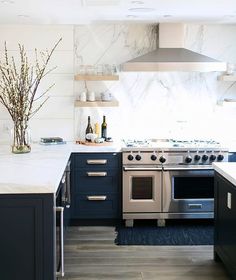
172	56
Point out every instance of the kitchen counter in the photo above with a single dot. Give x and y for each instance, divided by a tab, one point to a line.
227	170
41	170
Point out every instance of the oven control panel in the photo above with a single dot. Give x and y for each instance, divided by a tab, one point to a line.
174	157
208	157
138	157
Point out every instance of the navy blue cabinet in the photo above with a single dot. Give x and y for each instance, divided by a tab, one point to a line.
232	157
96	186
225	224
27	237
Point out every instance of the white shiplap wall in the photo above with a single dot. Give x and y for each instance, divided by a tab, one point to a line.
56	117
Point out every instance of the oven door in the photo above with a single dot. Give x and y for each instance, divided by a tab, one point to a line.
188	190
141	190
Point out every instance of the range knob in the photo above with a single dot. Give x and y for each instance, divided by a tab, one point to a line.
153	157
197	157
162	159
138	157
220	157
205	157
188	159
212	157
130	157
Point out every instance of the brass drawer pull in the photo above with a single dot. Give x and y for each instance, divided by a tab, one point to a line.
96	174
97	197
97	161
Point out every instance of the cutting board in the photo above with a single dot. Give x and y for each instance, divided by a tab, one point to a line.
93	144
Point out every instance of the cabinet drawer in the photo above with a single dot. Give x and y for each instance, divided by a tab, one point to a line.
106	160
99	206
96	181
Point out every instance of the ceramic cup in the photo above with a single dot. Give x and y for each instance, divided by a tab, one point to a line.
83	96
91	96
106	96
230	68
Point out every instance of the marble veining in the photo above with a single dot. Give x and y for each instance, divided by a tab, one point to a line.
161	104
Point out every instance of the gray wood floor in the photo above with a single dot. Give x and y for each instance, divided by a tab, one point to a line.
90	253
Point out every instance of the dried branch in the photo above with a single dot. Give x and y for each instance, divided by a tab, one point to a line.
18	85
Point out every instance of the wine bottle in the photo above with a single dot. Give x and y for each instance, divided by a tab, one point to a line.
104	128
88	129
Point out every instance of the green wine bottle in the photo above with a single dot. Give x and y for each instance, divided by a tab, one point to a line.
104	128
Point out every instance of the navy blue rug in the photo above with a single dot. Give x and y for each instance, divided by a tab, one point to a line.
174	233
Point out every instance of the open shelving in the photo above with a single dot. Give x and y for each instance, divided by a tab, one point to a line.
80	77
98	103
227	78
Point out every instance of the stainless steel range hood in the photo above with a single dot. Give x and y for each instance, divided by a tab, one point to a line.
172	56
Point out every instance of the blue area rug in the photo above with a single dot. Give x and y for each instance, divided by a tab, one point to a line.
179	232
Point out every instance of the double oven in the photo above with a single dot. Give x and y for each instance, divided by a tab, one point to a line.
169	184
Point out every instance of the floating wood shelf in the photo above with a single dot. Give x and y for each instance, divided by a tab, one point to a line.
227	78
96	77
229	100
98	103
225	101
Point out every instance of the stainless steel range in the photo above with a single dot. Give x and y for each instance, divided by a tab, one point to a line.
169	179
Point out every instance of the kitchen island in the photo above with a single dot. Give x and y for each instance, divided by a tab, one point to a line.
28	187
225	215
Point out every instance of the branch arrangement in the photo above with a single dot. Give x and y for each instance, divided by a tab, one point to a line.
19	84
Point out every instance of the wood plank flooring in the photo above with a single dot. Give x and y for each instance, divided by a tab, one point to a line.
90	253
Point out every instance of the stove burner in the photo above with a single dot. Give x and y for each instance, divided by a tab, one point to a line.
137	143
196	143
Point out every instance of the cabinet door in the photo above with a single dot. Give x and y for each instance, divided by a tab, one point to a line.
225	230
26	237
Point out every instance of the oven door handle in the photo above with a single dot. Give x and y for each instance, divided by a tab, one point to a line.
142	168
187	168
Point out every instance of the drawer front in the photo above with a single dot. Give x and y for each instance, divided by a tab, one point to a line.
96	181
96	206
101	160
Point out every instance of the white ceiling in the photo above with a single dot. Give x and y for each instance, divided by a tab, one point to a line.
87	11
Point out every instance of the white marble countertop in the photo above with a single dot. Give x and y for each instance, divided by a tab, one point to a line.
41	170
227	170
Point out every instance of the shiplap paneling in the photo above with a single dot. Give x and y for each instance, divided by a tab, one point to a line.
56	117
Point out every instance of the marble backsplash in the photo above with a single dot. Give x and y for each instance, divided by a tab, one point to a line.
161	104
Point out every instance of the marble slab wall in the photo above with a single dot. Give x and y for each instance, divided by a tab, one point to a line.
161	104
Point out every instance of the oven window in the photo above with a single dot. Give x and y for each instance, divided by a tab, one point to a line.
193	187
142	188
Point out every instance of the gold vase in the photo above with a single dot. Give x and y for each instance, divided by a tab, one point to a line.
20	138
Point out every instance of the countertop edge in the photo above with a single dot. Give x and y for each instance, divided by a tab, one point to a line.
227	170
